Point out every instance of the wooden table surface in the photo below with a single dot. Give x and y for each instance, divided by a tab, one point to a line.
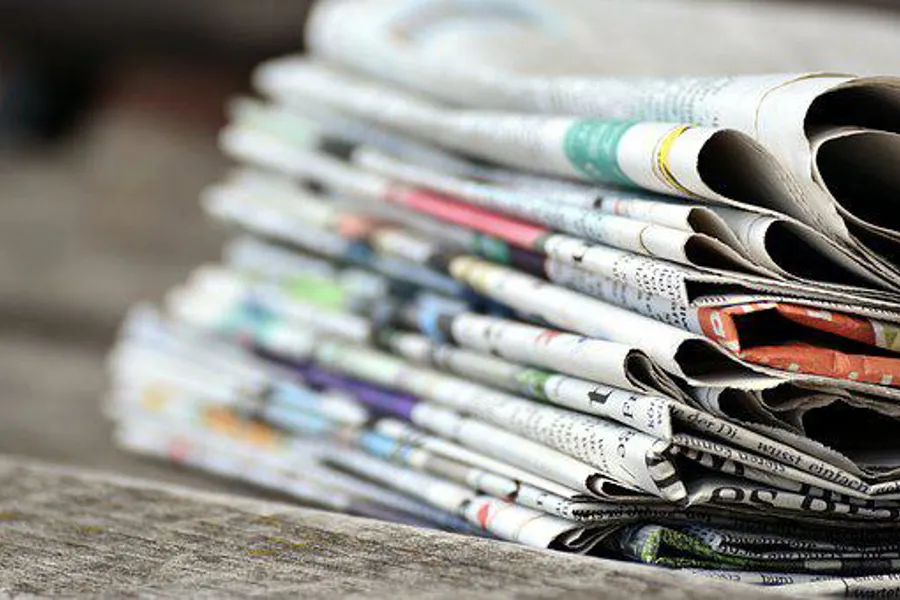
72	532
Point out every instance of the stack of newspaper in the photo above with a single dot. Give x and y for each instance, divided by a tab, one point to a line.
653	319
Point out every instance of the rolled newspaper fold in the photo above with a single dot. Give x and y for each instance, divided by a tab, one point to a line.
715	164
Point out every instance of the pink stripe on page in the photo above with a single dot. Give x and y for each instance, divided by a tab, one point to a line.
514	231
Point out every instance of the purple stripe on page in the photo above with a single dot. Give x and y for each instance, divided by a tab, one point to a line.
528	261
380	400
383	402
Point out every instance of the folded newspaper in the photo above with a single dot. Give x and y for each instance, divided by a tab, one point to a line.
649	319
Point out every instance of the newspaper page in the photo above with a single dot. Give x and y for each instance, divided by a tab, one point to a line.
667	313
657	156
594	318
778	110
583	396
331	172
580	395
504	519
771	241
823	468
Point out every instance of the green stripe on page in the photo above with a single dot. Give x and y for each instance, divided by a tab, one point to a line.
316	290
534	380
491	248
592	147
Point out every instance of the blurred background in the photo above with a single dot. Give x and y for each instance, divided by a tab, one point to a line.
108	118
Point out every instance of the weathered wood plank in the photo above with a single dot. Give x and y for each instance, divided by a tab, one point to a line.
68	531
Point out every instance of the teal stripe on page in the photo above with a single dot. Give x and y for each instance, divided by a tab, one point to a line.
592	147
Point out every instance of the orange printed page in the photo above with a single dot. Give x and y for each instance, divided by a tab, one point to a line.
807	340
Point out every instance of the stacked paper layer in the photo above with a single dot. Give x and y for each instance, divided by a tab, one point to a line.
648	319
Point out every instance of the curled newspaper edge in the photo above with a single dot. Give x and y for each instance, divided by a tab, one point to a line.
669	158
793	115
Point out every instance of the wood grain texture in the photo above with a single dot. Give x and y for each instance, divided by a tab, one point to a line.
74	532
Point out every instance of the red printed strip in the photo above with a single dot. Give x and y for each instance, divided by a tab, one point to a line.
356	227
815	360
514	231
719	324
867	331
